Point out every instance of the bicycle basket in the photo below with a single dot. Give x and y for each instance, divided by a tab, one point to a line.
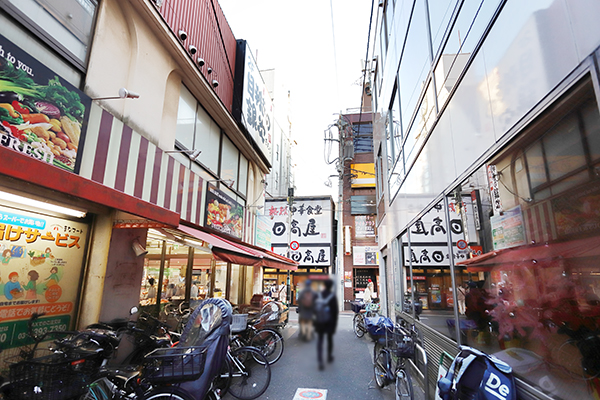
52	377
174	364
239	322
357	306
403	345
376	327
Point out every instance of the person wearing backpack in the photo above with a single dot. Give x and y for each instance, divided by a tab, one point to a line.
326	316
306	309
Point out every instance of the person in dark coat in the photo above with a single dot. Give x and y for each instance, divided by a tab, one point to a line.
306	305
329	326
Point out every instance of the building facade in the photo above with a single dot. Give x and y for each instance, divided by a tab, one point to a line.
307	224
123	114
360	254
486	124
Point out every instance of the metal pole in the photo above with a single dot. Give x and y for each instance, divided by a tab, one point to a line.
289	249
161	276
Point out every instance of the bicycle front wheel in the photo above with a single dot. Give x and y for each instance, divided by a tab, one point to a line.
358	324
404	388
250	379
380	368
168	393
270	344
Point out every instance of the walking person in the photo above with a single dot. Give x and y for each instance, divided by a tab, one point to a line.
306	304
326	316
368	296
461	295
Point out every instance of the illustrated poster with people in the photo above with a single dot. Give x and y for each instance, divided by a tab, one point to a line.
40	270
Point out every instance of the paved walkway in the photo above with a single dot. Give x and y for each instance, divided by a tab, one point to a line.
349	377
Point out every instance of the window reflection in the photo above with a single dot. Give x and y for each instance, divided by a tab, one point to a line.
473	18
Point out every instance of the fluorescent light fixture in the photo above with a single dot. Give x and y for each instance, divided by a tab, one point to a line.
41	205
156	233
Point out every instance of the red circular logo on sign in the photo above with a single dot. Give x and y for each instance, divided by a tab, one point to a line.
294	245
461	244
53	293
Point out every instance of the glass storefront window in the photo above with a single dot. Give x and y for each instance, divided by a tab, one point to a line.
220	288
533	298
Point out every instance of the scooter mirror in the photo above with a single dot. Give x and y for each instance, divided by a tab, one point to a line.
133	310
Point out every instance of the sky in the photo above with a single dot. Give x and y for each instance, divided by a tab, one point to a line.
316	48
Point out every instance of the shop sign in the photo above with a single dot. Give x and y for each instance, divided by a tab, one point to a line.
41	114
263	232
364	226
492	173
365	255
429	234
253	106
40	269
508	229
307	255
348	279
223	214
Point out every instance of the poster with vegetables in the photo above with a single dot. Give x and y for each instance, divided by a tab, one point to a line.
223	214
41	114
40	272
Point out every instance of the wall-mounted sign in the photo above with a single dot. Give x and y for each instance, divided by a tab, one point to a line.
41	115
363	175
41	261
309	224
263	232
364	226
508	229
365	255
252	105
223	214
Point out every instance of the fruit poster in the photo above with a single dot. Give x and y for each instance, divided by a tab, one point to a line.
223	214
41	114
41	262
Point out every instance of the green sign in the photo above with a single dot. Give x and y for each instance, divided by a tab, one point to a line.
15	334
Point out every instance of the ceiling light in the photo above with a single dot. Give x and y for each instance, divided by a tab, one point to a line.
41	205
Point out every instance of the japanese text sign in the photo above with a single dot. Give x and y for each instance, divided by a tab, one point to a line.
41	261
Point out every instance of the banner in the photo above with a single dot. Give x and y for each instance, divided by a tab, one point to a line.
41	115
223	214
41	261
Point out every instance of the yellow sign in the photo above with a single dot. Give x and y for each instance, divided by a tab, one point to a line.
364	175
41	261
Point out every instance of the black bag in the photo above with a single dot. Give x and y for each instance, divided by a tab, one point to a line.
475	375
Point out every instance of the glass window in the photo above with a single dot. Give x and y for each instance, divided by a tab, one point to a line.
186	118
421	125
68	22
535	294
220	279
243	175
564	148
440	13
472	20
229	161
415	63
363	138
196	130
591	126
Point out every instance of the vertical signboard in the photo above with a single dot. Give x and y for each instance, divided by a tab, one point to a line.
309	225
223	214
252	105
40	269
263	232
41	115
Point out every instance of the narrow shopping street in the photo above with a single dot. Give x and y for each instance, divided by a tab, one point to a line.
349	377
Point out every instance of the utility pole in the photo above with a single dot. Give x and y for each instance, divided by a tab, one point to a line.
340	212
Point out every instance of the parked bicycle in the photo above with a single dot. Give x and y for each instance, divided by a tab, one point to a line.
362	311
394	346
267	340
